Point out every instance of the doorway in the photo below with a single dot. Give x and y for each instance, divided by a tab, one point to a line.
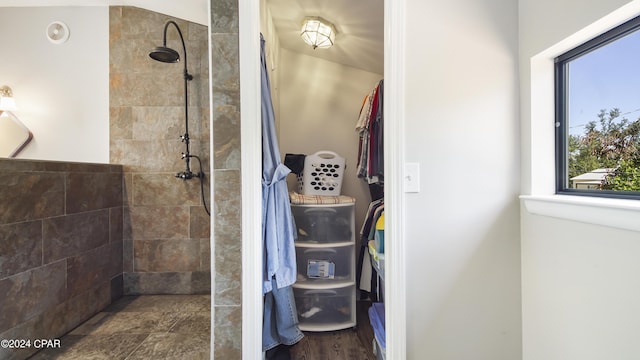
249	46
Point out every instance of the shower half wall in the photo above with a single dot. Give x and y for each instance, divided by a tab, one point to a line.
60	247
166	229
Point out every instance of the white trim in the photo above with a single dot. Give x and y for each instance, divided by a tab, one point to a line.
251	175
394	158
616	213
249	19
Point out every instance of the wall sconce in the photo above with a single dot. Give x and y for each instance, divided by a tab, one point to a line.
14	136
318	32
7	103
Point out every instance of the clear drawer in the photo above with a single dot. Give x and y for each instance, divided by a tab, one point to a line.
327	263
324	223
325	309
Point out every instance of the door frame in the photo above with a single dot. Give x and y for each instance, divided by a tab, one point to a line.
251	173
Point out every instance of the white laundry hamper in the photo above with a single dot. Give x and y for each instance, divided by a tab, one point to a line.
322	174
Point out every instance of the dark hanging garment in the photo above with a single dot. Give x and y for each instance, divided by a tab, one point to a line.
379	167
295	162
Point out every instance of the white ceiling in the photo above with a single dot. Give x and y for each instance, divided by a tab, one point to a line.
191	10
359	26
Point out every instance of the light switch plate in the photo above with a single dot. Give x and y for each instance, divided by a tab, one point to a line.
411	177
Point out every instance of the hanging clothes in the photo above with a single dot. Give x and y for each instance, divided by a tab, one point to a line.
370	128
364	275
280	321
370	167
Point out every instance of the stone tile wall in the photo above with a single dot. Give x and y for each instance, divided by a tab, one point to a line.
225	90
166	229
60	246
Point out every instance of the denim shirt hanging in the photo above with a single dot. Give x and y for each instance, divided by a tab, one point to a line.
280	320
277	222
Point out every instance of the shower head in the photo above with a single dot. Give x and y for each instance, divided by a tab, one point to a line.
168	55
164	54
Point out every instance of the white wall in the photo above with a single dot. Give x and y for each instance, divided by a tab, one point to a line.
580	293
462	229
319	106
580	299
191	10
61	90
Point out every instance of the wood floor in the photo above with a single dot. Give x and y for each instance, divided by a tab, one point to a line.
349	344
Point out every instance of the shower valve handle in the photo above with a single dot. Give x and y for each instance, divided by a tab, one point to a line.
186	175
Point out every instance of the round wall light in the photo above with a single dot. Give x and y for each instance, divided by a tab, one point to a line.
58	32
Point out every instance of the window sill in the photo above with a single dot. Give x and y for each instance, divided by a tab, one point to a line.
616	213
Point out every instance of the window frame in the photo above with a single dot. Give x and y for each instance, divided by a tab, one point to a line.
561	118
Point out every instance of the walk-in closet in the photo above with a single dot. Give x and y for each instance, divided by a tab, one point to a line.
327	102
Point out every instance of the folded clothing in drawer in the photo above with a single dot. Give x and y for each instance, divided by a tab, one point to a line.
325	306
326	263
324	223
300	199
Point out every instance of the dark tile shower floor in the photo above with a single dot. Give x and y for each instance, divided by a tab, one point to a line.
168	327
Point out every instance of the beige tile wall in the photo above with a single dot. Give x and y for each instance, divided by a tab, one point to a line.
166	229
225	89
60	247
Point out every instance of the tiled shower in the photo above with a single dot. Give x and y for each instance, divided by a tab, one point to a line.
85	234
165	227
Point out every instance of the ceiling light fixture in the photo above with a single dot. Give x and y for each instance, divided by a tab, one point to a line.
318	32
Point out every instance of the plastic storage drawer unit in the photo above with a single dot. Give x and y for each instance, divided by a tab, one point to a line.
325	288
325	309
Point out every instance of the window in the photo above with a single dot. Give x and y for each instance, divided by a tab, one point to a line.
597	87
